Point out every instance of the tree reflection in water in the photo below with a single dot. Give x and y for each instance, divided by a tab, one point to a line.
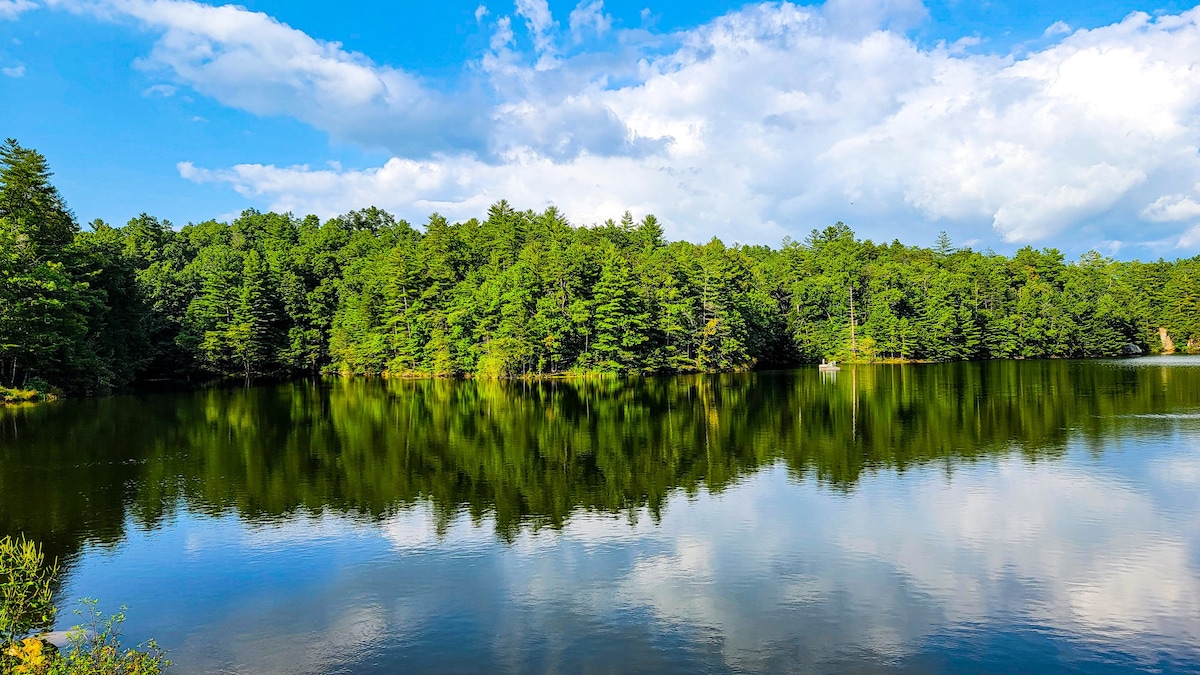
530	454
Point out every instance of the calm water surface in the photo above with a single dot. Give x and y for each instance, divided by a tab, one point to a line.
998	517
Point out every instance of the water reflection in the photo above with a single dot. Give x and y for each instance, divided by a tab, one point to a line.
942	518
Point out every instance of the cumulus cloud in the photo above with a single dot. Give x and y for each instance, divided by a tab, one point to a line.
1171	208
252	61
1129	575
996	544
14	71
589	188
771	119
929	554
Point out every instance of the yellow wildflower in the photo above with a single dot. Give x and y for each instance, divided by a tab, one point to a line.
30	655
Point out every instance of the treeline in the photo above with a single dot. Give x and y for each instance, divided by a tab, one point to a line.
523	293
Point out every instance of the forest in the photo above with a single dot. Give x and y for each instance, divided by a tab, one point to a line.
88	311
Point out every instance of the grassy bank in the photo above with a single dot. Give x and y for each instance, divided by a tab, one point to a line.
10	396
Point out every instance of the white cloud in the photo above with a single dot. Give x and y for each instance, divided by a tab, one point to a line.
14	71
1045	544
1057	28
11	9
1172	208
587	16
590	189
1180	470
1123	576
858	17
541	25
770	119
1189	239
287	637
416	529
480	12
251	61
502	38
163	90
962	44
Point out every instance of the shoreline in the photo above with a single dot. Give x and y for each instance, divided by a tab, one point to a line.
29	398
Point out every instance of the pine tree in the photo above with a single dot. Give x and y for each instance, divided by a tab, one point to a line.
211	311
42	306
621	321
253	335
1183	305
403	307
39	224
649	233
943	248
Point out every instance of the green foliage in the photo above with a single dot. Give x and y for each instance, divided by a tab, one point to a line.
94	648
621	321
30	395
26	602
27	609
31	210
523	294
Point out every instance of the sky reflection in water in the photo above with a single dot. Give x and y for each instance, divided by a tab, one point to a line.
1083	557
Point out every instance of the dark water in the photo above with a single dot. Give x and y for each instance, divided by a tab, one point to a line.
999	517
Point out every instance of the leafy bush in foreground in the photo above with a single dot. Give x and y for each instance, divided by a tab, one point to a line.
27	611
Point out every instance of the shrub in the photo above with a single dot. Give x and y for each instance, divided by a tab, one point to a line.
26	604
95	648
18	395
27	610
36	390
44	390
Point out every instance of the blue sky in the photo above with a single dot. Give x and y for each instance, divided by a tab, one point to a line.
1004	123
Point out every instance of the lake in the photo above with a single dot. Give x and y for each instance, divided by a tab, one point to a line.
978	517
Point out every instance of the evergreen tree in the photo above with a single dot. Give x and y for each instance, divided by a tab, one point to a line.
210	314
42	305
36	218
621	321
253	335
118	343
